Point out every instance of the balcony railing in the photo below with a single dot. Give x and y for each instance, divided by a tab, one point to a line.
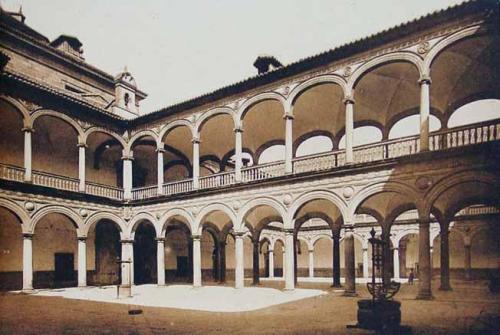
440	140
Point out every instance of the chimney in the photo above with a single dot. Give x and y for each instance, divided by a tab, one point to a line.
69	45
266	63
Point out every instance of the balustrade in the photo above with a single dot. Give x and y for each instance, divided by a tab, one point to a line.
217	180
144	192
263	171
178	187
10	172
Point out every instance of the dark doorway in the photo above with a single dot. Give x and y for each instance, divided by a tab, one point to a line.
64	272
107	251
182	267
145	255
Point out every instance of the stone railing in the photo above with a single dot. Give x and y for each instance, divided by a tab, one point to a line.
440	140
104	190
217	180
10	172
144	192
175	187
263	171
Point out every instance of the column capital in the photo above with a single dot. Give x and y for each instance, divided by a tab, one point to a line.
28	129
238	129
424	221
127	158
239	234
288	231
424	79
82	145
82	238
348	100
160	239
160	150
127	241
28	236
310	251
196	237
288	117
195	140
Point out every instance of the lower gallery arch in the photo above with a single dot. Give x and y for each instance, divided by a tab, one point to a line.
55	252
210	253
145	254
11	246
103	251
178	251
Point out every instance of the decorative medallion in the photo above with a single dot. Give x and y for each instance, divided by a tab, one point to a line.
236	205
127	213
194	210
287	199
29	206
158	215
286	90
83	212
348	192
423	47
347	72
423	182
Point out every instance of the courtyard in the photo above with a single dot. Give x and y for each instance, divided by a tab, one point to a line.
468	309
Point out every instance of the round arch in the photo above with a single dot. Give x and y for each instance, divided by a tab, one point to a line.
138	219
169	214
69	213
332	197
209	209
142	134
114	135
176	124
95	218
324	79
63	117
205	117
245	107
262	201
19	212
20	108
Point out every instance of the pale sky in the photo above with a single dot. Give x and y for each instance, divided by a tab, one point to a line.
178	50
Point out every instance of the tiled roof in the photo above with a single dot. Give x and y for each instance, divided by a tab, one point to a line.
338	53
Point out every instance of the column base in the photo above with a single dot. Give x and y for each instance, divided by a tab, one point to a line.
28	291
445	288
336	285
424	296
349	294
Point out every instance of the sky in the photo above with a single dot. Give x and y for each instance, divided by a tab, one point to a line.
178	50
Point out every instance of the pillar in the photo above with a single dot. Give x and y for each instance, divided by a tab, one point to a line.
289	260
396	263
350	267
196	260
27	154
288	143
239	268
196	162
81	166
160	167
127	176
82	261
424	260
349	129
128	267
365	263
445	257
402	262
467	261
271	264
311	263
222	265
27	262
336	260
425	83
160	261
283	262
255	259
238	153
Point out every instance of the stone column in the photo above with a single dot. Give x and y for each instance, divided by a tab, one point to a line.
402	263
396	263
425	83
336	260
127	268
350	268
365	263
81	166
82	261
196	162
288	143
160	261
239	275
424	260
238	153
196	260
255	259
289	260
160	166
445	257
311	263
27	262
467	261
127	176
222	266
349	129
271	264
27	154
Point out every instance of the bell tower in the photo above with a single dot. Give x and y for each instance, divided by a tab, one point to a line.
127	96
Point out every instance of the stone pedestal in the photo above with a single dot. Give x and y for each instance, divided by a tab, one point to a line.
379	315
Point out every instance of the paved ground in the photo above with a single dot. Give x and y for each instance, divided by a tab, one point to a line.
468	309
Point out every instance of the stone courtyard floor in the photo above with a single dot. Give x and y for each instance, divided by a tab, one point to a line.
468	309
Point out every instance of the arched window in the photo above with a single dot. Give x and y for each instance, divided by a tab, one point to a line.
410	125
363	135
314	145
474	112
274	153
